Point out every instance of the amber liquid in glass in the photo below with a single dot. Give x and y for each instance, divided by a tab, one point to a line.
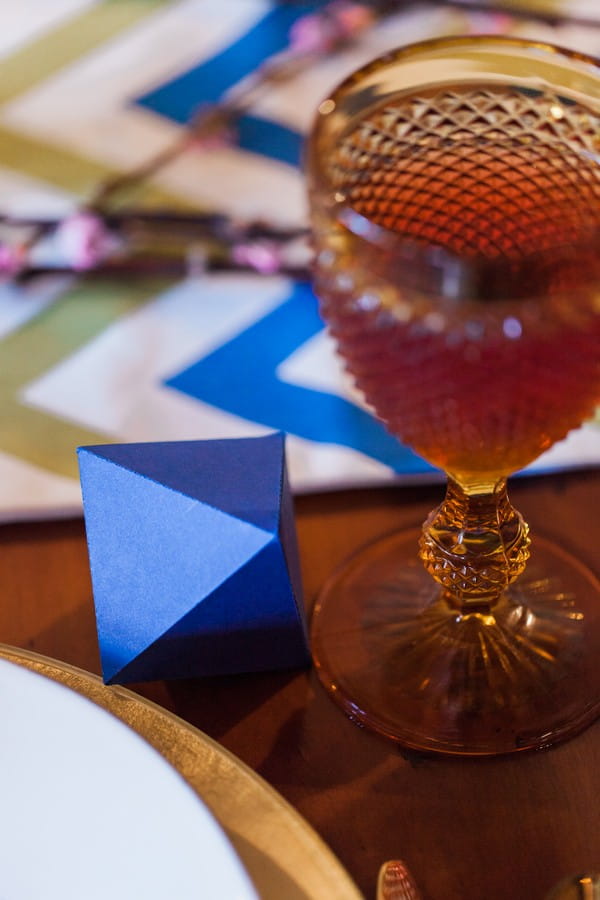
494	354
455	204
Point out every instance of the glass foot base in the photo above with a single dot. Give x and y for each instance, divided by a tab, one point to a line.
398	659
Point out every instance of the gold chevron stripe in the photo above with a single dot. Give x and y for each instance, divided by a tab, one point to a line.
68	170
83	312
61	46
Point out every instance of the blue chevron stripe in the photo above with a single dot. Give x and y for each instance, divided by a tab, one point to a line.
270	139
240	378
181	97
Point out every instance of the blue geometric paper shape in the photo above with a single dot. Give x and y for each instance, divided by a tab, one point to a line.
193	558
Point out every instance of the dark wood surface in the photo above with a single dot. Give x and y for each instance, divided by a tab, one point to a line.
493	829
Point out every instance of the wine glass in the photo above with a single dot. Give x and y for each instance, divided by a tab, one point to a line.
455	202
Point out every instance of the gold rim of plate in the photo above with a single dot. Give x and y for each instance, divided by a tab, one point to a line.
282	854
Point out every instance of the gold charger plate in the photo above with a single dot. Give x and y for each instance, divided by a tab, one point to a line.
282	854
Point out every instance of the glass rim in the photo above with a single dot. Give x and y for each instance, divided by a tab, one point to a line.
419	48
573	62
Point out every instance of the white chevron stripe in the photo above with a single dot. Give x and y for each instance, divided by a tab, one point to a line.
31	493
25	20
20	304
86	105
113	384
87	108
23	195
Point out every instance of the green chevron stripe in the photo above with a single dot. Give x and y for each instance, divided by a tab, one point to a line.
49	53
61	46
80	315
43	440
67	170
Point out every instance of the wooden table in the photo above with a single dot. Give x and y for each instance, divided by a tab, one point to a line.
492	829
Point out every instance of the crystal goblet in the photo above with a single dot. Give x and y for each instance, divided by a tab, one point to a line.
455	202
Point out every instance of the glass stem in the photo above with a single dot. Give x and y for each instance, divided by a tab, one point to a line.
474	545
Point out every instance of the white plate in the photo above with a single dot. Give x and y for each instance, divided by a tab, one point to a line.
89	811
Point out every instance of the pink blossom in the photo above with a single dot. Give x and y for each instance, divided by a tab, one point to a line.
212	128
353	18
320	32
263	257
311	34
83	240
489	23
214	140
12	259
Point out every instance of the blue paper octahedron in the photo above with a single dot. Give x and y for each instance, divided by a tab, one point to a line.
193	558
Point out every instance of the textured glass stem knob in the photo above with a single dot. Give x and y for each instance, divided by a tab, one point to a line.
475	545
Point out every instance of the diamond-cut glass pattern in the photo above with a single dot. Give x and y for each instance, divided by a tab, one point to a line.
483	356
490	172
